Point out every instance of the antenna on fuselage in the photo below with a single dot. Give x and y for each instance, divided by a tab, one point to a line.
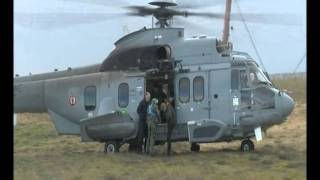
226	29
225	46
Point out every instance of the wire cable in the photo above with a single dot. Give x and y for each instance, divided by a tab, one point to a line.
250	36
299	63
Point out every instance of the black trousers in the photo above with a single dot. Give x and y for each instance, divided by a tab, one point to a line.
145	136
142	134
169	134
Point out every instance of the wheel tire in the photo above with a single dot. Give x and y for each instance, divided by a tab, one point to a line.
195	147
111	147
247	145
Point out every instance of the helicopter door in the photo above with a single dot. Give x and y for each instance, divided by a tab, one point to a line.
220	107
192	96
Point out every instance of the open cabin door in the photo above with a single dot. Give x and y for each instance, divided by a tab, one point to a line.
118	92
130	91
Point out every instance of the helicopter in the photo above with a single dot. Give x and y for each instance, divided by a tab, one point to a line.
219	95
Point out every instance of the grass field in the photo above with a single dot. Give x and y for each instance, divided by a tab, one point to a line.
39	153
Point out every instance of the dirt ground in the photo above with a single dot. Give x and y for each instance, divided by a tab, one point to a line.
39	153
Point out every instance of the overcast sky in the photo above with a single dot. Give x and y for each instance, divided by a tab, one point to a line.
72	33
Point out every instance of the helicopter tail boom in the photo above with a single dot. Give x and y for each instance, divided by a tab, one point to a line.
29	97
58	74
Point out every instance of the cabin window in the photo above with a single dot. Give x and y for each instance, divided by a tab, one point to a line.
123	95
234	79
198	88
90	94
243	79
184	90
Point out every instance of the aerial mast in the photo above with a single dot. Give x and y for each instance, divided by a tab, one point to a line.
226	22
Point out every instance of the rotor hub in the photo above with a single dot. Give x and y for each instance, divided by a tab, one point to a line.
163	14
163	3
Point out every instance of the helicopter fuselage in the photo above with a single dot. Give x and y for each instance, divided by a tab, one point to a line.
218	95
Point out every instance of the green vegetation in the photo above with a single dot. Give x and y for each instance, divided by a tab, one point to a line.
39	153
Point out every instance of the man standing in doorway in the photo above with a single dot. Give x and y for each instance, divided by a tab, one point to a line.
143	129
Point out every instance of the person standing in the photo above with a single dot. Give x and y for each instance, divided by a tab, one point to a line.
170	117
143	129
163	96
152	118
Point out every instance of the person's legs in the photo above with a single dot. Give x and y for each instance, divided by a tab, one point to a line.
148	138
152	135
140	136
170	128
145	136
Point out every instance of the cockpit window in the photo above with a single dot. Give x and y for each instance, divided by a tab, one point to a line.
243	79
239	77
234	79
257	76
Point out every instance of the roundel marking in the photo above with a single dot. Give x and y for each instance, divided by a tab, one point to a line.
72	100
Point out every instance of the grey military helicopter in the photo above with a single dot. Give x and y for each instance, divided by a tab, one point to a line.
218	94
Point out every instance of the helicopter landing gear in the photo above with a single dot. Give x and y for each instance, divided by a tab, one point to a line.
247	145
111	147
195	147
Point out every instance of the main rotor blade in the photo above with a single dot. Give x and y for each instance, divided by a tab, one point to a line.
277	19
192	4
140	10
58	20
193	27
109	3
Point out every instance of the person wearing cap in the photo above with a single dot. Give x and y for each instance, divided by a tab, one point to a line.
152	118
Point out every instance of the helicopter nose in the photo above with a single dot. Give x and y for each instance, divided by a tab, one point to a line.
287	105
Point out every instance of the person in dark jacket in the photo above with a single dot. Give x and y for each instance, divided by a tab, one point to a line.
143	129
163	95
170	117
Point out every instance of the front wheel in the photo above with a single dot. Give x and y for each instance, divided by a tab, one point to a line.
111	147
247	145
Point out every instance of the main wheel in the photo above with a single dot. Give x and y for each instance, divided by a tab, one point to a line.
247	145
111	147
195	147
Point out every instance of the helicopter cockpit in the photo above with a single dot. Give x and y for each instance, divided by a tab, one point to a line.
251	84
256	75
